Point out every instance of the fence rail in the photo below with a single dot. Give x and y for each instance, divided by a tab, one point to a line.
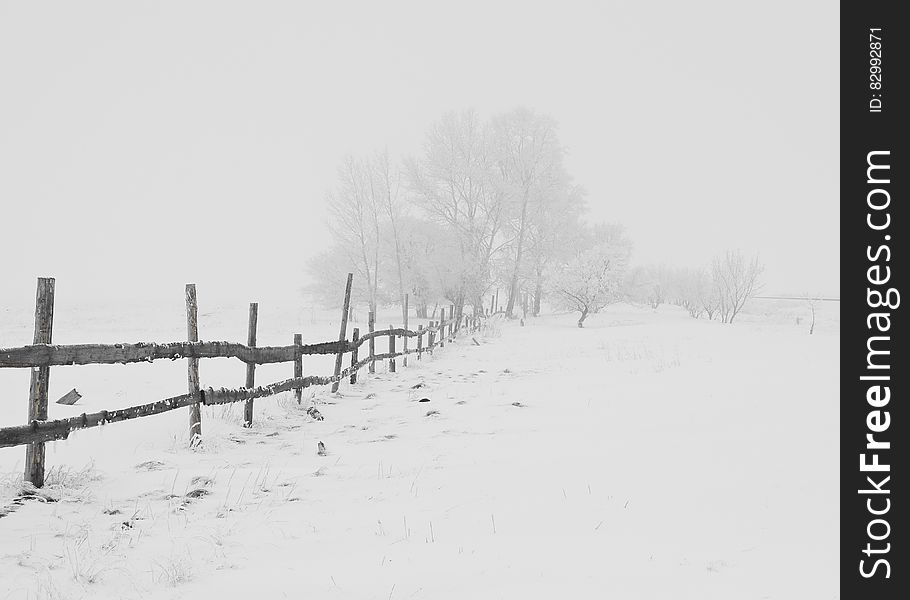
45	355
53	355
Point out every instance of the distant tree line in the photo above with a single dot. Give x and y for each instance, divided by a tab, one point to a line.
487	208
720	290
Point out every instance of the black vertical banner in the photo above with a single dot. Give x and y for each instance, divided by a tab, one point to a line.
874	369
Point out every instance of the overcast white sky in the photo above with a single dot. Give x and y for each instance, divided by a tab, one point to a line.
144	145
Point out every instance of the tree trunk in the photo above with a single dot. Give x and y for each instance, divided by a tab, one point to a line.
478	305
538	290
513	286
584	315
459	308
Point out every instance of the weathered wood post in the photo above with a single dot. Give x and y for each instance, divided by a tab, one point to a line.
431	337
419	341
492	301
372	325
442	328
391	349
298	365
404	359
453	321
354	338
441	325
192	370
345	311
37	393
251	367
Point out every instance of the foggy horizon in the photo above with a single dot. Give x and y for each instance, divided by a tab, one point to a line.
137	155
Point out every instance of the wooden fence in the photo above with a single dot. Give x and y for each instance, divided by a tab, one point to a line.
42	355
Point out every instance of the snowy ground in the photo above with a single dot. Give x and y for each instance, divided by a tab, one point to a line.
647	456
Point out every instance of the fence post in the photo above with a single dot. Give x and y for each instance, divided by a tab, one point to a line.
391	349
354	338
372	325
431	337
298	365
404	359
453	321
192	371
442	328
251	367
37	393
492	301
419	341
345	311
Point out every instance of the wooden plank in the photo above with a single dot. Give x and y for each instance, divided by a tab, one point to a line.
250	367
442	328
419	342
37	396
372	326
354	338
45	431
47	355
70	398
404	360
399	332
391	334
192	369
298	366
345	311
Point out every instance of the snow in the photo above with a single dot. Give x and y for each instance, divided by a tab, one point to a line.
650	456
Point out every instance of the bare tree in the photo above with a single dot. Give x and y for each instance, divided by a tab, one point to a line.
456	185
386	184
529	161
549	237
354	219
736	280
812	305
710	297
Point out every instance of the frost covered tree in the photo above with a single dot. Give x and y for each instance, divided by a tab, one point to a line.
592	278
386	183
486	206
529	162
355	220
550	234
736	280
455	184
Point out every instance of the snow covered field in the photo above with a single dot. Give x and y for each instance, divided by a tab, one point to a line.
648	455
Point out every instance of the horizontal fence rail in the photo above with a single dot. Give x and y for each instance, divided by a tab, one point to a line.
59	429
45	355
50	355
